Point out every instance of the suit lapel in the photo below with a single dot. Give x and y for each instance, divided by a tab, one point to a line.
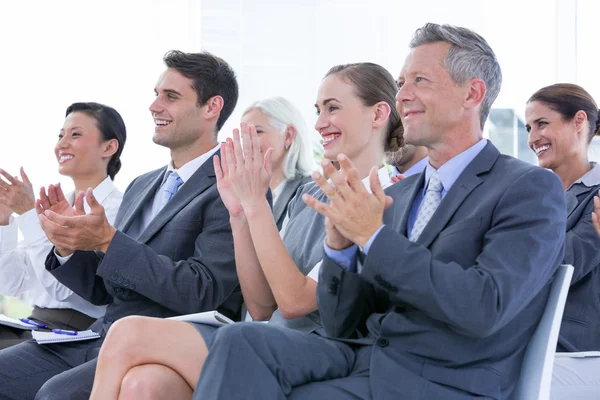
201	180
468	180
145	197
286	194
572	196
403	204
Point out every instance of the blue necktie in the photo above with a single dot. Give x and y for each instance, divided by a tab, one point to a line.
431	202
170	187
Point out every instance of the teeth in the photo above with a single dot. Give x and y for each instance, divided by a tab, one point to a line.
328	138
538	150
65	158
161	122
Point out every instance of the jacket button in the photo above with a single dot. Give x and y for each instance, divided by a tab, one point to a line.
119	290
383	342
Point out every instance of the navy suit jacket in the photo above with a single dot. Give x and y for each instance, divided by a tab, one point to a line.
450	315
183	262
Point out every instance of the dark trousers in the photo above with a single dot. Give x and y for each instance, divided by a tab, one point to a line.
47	372
258	361
62	318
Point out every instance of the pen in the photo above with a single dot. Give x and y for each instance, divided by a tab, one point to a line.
34	323
64	332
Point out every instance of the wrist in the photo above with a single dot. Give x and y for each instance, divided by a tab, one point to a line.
256	208
25	208
238	221
338	245
107	240
364	238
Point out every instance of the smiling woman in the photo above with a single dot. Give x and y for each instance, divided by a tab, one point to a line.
88	151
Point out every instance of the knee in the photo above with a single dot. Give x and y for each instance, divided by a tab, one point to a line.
51	390
137	385
240	334
123	337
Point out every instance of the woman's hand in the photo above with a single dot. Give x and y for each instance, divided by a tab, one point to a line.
251	171
54	201
224	181
596	215
5	213
17	194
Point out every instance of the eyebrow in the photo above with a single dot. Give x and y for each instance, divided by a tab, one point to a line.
327	101
173	91
74	127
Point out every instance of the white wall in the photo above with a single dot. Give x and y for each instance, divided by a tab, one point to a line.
55	53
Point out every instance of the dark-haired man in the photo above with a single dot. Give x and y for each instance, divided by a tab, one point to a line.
172	250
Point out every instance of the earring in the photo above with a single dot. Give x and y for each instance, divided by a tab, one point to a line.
286	147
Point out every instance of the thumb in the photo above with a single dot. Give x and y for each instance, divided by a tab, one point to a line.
268	163
95	207
24	177
375	184
388	202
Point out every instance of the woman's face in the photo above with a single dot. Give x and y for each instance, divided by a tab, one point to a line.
345	124
80	150
554	140
268	136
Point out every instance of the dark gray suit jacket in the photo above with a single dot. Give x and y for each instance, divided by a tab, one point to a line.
580	328
450	316
182	263
287	194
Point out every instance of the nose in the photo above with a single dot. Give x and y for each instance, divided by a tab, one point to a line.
155	106
404	93
62	142
321	122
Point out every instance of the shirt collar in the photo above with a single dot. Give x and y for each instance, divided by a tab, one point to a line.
592	177
418	167
451	170
101	192
186	171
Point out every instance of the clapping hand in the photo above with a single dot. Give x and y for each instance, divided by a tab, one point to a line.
16	194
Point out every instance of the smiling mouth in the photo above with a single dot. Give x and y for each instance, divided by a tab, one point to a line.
541	149
161	122
64	159
328	138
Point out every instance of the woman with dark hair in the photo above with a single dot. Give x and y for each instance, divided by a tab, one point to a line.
561	120
88	151
154	358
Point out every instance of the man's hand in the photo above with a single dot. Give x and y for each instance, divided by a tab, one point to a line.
17	194
596	215
356	213
334	239
397	178
81	231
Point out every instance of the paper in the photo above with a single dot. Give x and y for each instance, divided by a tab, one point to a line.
15	323
51	337
580	354
213	318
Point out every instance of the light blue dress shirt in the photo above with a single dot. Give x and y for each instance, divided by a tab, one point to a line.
448	173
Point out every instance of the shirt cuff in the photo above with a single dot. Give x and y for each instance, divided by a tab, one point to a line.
371	240
62	260
345	258
9	235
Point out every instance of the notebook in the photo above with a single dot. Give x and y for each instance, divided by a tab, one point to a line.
51	337
15	323
213	318
579	354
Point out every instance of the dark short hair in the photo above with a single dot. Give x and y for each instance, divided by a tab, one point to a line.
111	126
567	99
212	77
373	84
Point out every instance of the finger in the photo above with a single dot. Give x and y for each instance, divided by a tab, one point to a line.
52	194
229	158
8	177
24	177
246	144
38	207
328	168
237	149
375	185
60	195
44	198
255	145
388	202
328	189
58	219
95	206
217	167
318	206
79	207
268	163
352	175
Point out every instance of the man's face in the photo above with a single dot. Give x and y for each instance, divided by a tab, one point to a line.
429	101
177	117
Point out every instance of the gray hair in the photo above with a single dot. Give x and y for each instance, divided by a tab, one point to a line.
469	57
299	159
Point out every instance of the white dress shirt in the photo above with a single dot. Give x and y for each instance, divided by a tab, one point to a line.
22	263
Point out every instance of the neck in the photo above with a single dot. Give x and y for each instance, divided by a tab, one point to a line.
277	178
453	142
82	183
370	157
420	153
185	154
575	169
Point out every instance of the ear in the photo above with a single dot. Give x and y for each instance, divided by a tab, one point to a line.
475	93
580	120
214	106
290	135
110	147
382	113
